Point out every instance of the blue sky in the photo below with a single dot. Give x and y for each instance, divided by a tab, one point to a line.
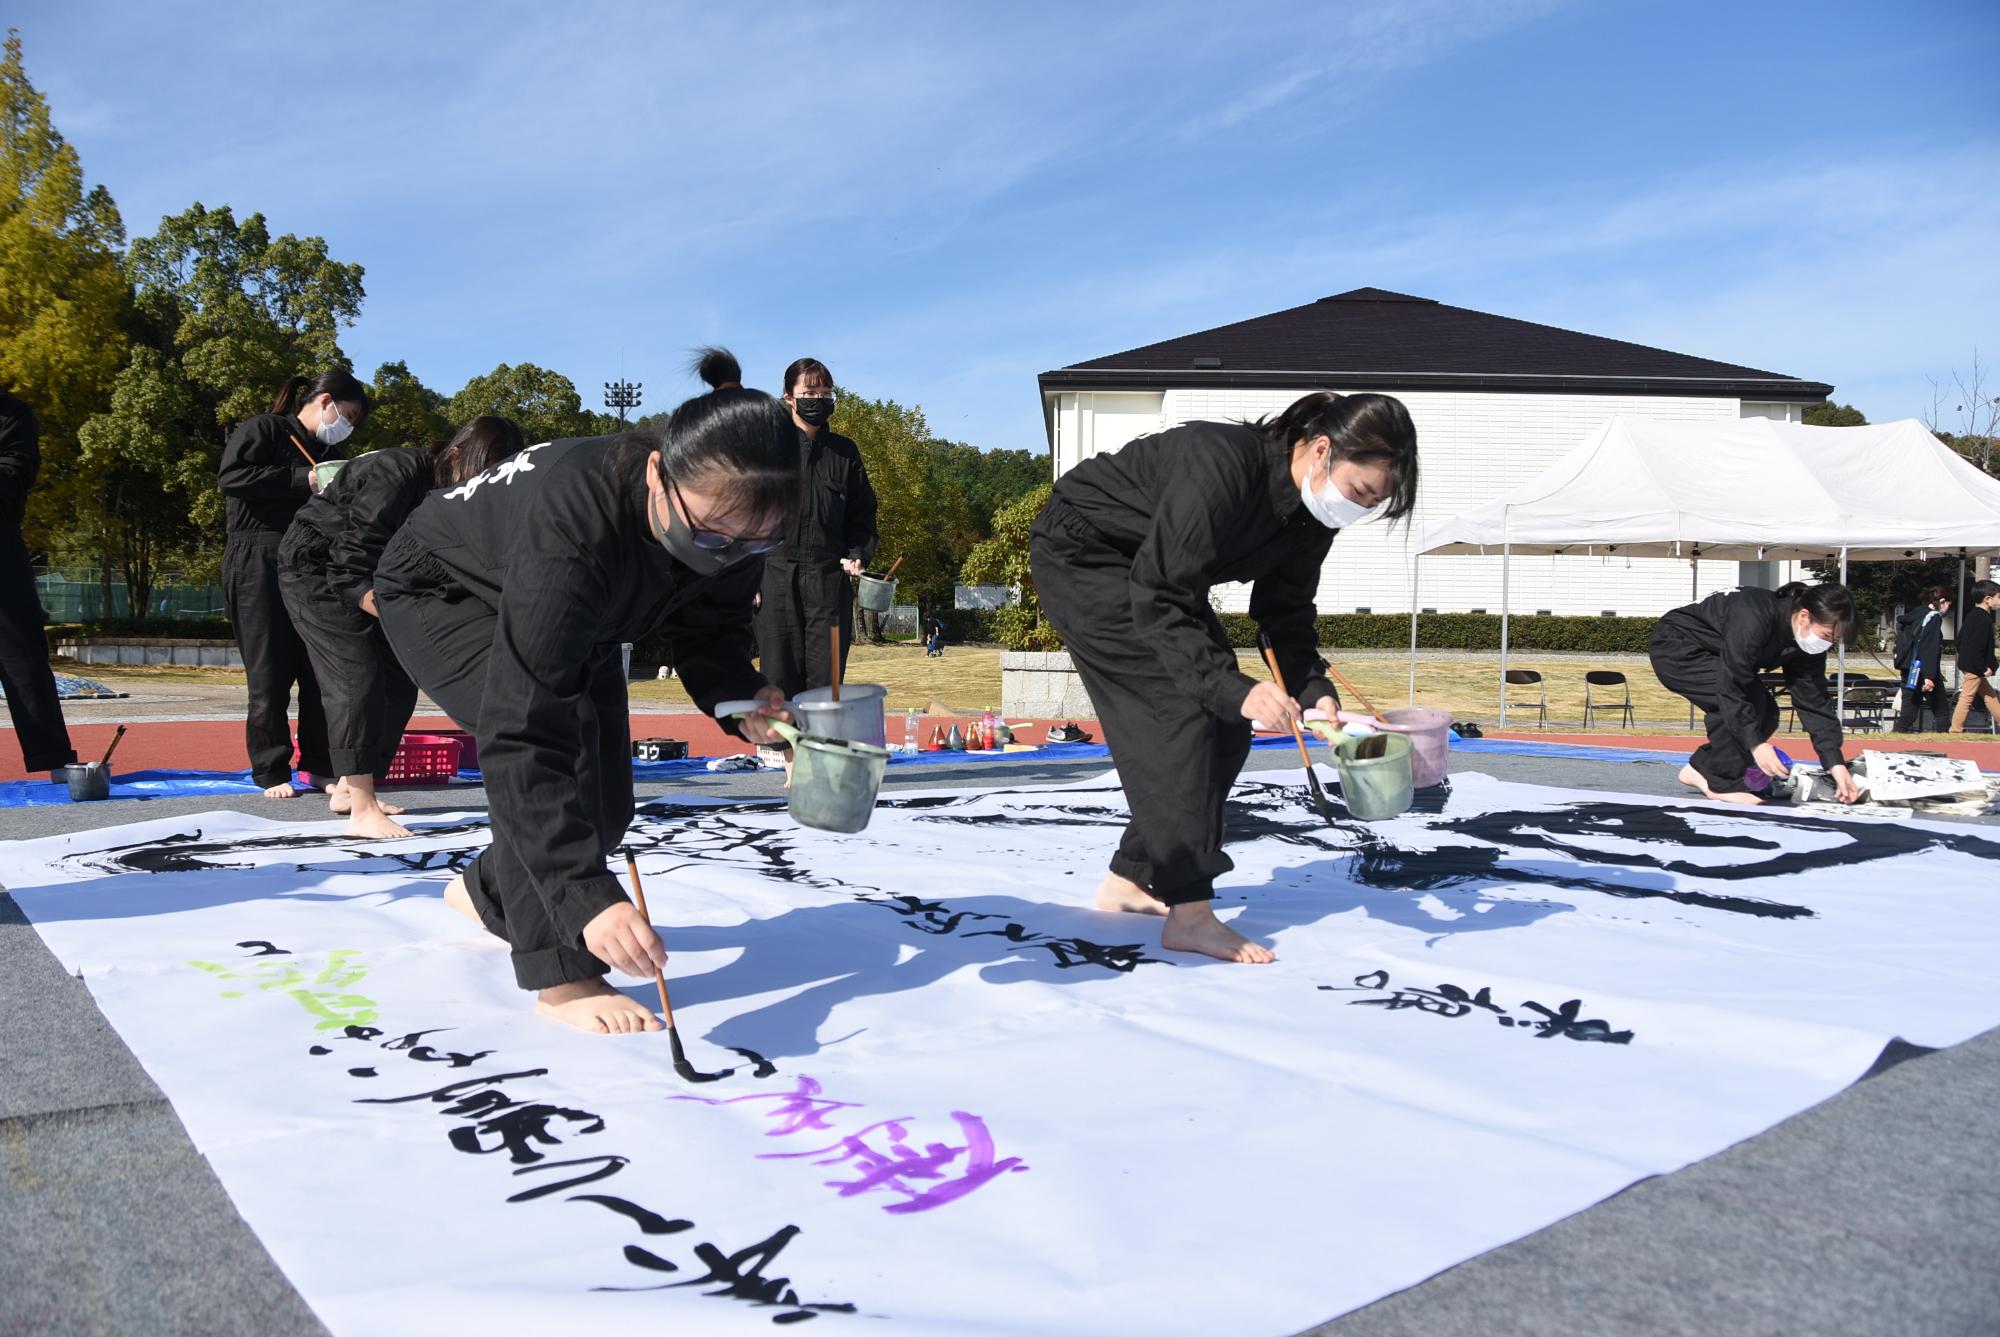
941	201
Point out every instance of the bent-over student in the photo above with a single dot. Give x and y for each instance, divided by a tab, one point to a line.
326	569
266	476
506	599
1711	653
1124	556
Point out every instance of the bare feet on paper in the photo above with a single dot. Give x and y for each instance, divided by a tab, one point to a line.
340	799
459	899
1122	893
1692	778
1192	927
594	1006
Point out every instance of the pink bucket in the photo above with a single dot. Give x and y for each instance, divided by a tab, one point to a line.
1430	739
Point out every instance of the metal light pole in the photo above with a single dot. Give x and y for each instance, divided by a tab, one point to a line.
622	395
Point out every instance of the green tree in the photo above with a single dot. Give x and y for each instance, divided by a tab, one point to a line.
543	403
405	412
151	468
63	302
917	512
1003	560
1834	415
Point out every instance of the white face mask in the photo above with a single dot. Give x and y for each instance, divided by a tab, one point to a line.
1810	641
1329	505
333	428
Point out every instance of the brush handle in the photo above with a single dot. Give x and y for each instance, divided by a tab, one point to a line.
890	574
659	977
302	449
833	678
1277	676
115	740
1341	678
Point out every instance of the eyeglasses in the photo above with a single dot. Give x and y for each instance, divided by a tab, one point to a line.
710	540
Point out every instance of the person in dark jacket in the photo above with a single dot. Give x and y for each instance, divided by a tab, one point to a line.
1922	666
506	599
1975	654
807	590
1711	653
24	649
266	475
1124	555
326	569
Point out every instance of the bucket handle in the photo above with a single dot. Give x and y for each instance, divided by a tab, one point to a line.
724	709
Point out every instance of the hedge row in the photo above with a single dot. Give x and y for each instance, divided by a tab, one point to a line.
1389	631
143	628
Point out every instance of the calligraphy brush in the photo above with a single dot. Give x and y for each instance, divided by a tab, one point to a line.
302	450
833	633
681	1065
1312	777
890	574
1341	678
116	738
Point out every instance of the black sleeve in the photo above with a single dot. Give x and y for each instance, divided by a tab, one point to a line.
1745	627
1281	603
262	460
376	497
712	641
861	538
20	448
537	675
1805	678
1169	582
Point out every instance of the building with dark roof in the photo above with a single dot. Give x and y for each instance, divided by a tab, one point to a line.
1495	400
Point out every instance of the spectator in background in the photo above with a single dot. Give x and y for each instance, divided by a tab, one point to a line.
1975	654
1920	659
24	649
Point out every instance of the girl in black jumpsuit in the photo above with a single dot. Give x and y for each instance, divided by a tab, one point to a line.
266	476
1711	653
326	569
506	599
1124	556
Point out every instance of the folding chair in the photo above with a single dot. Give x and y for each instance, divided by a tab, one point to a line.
1528	678
1867	708
1606	678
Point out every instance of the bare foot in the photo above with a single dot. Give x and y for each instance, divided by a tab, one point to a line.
1692	778
1122	893
376	824
459	899
1192	927
285	790
340	800
593	1005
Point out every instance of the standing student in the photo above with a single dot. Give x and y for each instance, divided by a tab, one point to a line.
1124	556
1711	653
831	538
24	649
1975	654
326	569
1922	664
266	476
506	599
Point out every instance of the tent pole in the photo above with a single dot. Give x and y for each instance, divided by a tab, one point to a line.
1840	691
1506	571
1413	628
1957	611
1694	597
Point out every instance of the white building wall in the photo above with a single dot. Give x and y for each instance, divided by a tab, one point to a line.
1474	447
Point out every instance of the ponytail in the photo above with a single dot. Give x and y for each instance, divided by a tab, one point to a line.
336	381
290	396
718	368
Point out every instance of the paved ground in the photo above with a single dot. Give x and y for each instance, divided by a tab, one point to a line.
1876	1213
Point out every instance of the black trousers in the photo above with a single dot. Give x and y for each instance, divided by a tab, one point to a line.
444	645
274	658
802	603
367	698
24	664
1696	673
1921	711
1176	760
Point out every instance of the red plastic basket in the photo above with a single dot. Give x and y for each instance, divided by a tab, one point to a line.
468	747
422	758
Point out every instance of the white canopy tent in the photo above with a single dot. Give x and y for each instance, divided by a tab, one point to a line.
1749	489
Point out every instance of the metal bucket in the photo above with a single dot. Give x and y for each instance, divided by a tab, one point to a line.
876	594
1375	778
834	781
88	781
1429	732
857	716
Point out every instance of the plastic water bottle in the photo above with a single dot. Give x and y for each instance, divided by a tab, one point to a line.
913	731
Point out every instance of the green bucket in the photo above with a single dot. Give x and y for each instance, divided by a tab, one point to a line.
1375	775
834	781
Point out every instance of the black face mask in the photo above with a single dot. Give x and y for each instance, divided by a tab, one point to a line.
678	540
814	412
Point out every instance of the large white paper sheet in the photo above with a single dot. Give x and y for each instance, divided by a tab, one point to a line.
964	1102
